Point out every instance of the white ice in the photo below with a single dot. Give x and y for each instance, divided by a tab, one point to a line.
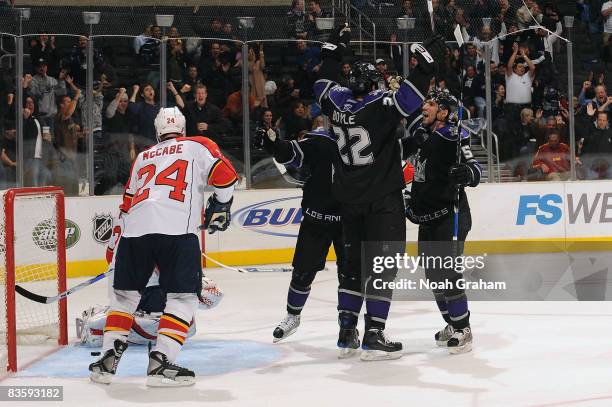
525	354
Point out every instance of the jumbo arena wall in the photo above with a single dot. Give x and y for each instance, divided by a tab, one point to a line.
507	218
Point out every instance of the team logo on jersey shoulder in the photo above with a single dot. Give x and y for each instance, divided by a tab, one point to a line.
102	227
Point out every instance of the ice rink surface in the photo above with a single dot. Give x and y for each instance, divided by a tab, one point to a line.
525	354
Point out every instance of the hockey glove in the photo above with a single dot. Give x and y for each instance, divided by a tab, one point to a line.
395	82
337	42
264	139
461	174
217	215
429	55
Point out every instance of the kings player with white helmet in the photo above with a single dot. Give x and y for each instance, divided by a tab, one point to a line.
161	210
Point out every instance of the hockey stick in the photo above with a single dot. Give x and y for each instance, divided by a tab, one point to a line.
249	269
431	16
460	41
48	300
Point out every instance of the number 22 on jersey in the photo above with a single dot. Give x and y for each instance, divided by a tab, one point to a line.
165	177
351	148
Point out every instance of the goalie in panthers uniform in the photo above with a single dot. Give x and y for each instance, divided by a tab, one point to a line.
368	178
90	325
432	143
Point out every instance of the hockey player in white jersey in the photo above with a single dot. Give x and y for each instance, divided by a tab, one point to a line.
161	210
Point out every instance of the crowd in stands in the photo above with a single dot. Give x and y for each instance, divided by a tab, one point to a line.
204	80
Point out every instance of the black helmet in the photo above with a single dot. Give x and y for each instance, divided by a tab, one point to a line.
363	75
445	101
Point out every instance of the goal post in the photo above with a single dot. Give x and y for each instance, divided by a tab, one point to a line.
34	243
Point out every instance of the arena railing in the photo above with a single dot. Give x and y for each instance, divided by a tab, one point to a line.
91	160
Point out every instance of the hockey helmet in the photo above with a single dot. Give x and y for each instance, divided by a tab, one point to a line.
169	120
445	101
363	76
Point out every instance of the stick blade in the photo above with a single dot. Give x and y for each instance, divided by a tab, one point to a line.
31	296
458	35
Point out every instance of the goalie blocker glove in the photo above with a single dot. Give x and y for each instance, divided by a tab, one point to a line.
217	215
461	175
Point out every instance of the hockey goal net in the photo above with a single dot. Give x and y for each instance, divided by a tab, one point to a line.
33	255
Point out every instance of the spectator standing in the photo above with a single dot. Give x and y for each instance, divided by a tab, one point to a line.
257	81
78	61
36	147
345	75
296	20
45	90
203	118
144	113
8	156
119	146
66	142
192	80
519	82
139	40
315	11
606	12
148	52
45	50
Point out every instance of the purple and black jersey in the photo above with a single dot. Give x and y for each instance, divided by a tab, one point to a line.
368	165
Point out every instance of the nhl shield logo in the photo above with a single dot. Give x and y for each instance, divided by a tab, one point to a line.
102	228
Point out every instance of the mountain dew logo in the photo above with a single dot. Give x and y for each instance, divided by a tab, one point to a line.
44	235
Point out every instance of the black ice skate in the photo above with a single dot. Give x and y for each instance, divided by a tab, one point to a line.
162	373
376	346
286	327
104	369
443	336
348	342
461	341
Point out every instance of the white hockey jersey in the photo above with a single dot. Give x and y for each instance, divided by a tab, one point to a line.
165	192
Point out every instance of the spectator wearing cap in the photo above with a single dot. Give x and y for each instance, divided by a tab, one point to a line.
45	90
45	50
519	82
381	67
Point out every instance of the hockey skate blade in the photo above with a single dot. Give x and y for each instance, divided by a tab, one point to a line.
285	336
102	378
163	381
373	355
345	353
457	350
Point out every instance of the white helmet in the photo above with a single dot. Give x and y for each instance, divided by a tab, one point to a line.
169	120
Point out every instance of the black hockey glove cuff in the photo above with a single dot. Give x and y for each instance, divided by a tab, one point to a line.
264	139
461	174
217	215
337	42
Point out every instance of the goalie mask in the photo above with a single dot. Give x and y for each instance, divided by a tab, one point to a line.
169	120
363	76
445	101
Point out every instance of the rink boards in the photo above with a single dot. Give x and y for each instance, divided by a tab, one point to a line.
507	218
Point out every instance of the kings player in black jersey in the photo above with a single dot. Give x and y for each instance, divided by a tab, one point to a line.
320	225
432	142
368	178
